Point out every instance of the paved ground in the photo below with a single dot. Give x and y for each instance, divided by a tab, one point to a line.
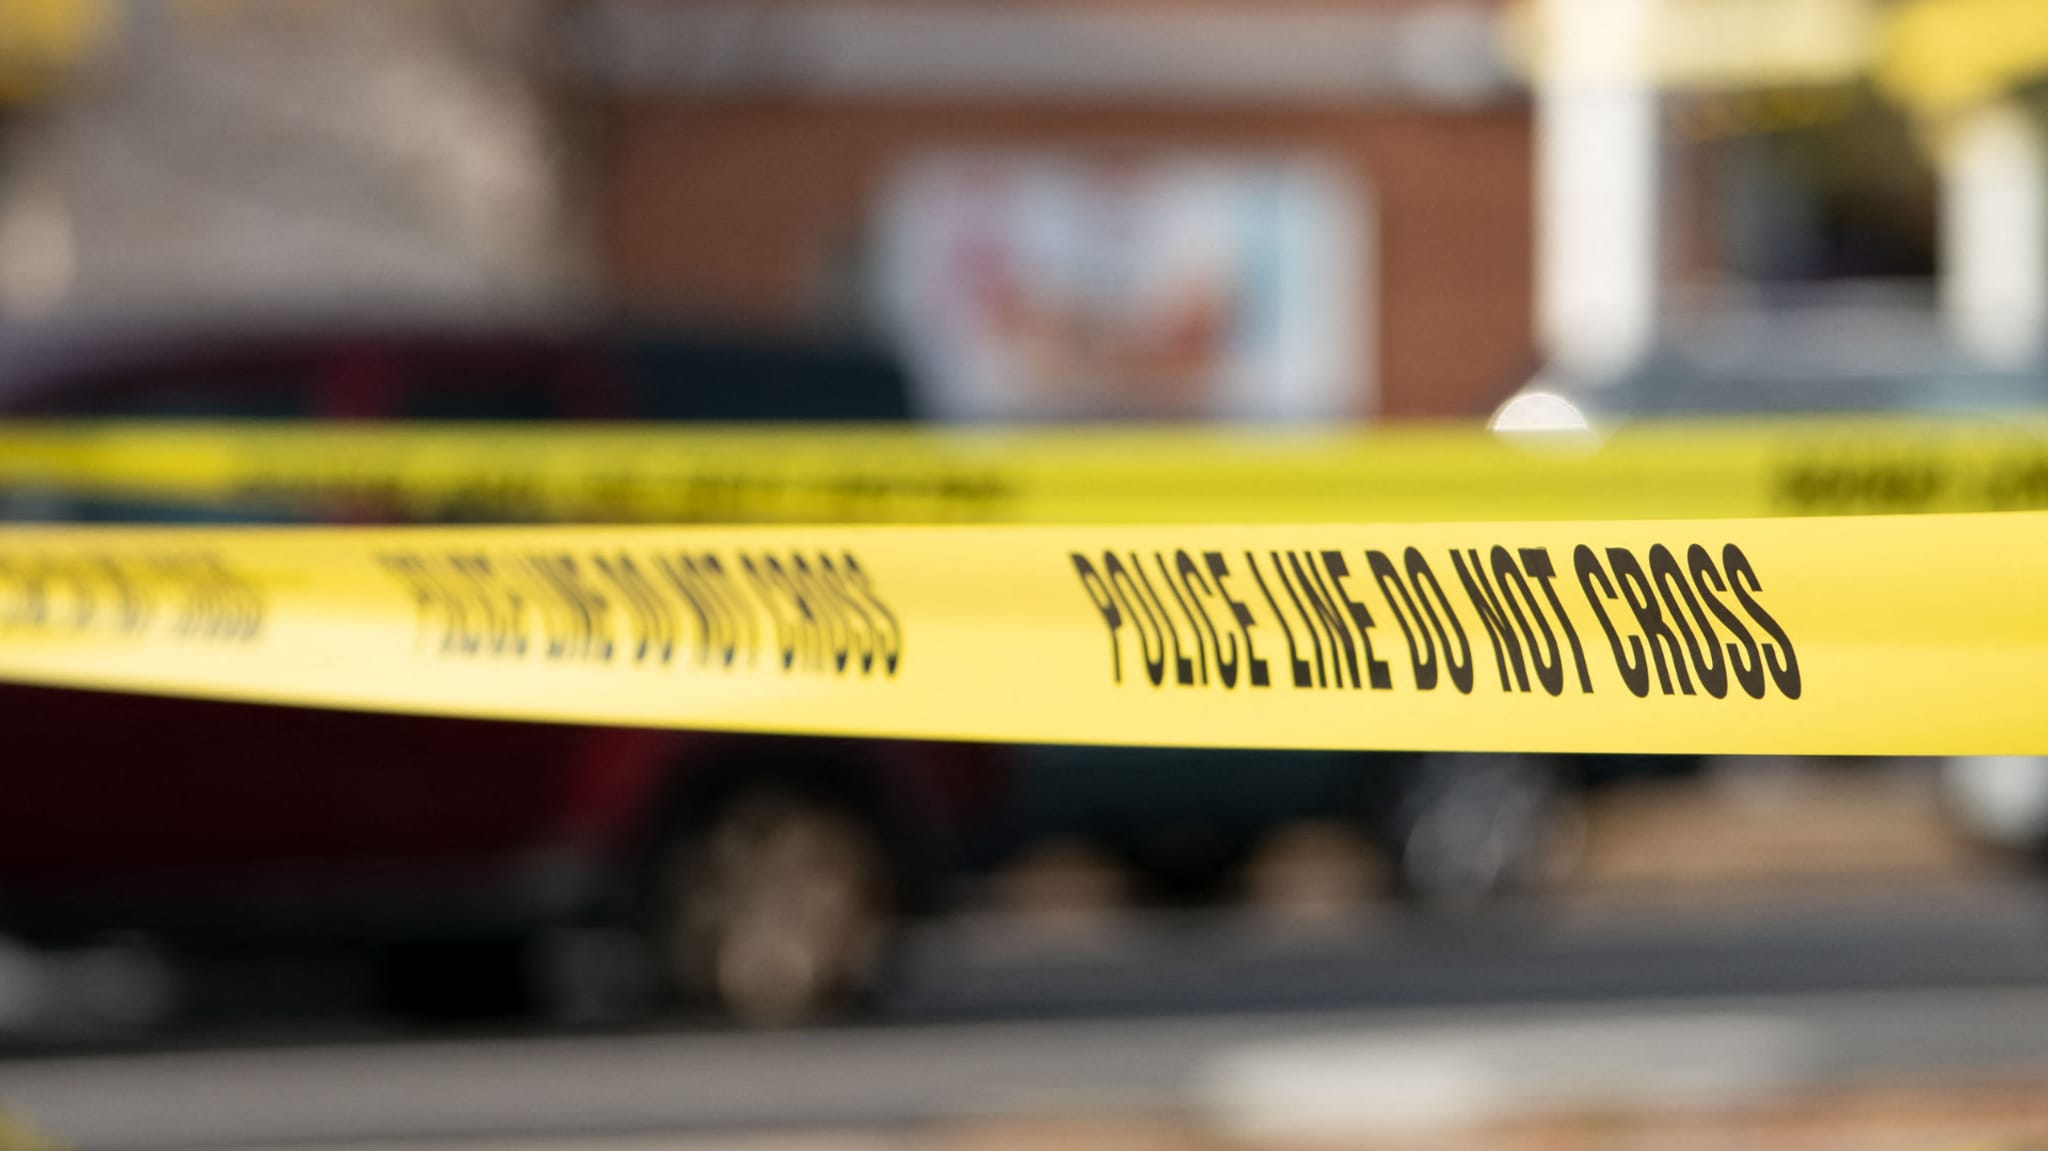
1693	999
1258	1028
1386	1078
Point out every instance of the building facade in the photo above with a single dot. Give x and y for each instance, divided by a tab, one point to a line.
756	174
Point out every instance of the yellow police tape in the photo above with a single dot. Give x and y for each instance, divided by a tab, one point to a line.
1842	635
651	474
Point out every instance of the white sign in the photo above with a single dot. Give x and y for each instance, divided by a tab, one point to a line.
1050	286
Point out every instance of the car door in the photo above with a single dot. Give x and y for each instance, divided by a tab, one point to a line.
137	796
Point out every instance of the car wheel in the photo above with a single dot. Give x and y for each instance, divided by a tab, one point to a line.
776	909
1465	829
456	981
1998	802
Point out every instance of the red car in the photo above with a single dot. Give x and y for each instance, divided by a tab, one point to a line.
763	874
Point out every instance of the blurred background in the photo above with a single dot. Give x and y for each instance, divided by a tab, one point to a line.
236	926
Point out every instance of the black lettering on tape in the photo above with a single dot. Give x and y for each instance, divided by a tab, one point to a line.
1295	663
652	623
1514	592
1536	561
1173	589
575	614
1376	672
809	623
1743	657
1190	576
863	634
1324	621
1684	609
1422	655
217	605
1460	665
499	608
432	607
1632	662
682	575
1255	668
133	606
1105	606
832	621
1183	668
742	628
1642	601
788	628
1135	607
1782	661
1507	648
892	640
808	630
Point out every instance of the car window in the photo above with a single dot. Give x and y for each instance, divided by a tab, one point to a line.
1682	395
442	403
39	506
683	379
202	399
511	380
234	385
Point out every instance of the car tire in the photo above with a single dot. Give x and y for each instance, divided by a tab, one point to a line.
1466	830
456	981
776	908
1998	803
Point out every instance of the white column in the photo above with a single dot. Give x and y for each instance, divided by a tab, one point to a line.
1994	236
1598	250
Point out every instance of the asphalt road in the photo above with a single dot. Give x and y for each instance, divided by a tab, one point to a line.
1255	1025
1945	934
1306	1073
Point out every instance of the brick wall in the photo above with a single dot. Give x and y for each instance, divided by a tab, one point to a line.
737	210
